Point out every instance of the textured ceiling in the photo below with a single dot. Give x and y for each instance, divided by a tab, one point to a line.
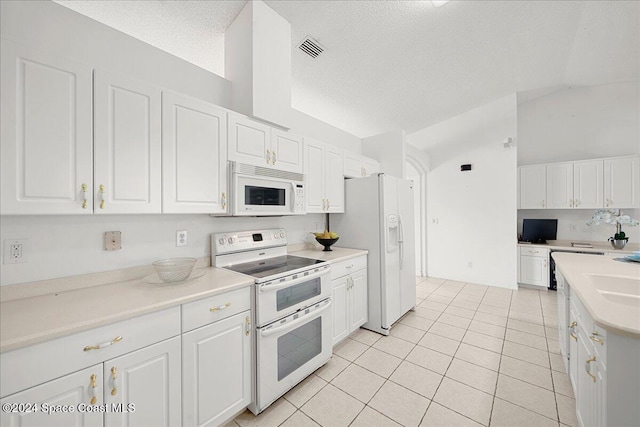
392	65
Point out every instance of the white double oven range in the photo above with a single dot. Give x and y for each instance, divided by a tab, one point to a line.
292	306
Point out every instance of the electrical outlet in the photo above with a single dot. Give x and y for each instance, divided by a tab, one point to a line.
112	240
181	238
15	251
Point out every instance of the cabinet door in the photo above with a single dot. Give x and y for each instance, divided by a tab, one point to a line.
371	166
46	133
72	390
573	350
314	173
216	371
194	156
333	179
588	185
249	142
340	304
127	147
353	165
622	182
585	389
533	187
358	303
144	386
286	151
560	186
534	270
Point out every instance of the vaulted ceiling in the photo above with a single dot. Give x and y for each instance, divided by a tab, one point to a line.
392	65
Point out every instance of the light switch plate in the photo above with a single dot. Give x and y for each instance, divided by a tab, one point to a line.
112	240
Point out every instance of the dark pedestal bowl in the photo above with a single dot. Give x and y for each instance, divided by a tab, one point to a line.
327	242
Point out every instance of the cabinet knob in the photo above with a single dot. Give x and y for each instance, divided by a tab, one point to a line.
223	201
247	330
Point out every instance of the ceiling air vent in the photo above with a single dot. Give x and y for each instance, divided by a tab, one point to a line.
311	47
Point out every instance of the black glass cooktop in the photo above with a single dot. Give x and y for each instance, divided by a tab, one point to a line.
272	266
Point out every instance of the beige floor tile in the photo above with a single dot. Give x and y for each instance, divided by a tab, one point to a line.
490	309
500	292
526	353
527	327
529	396
493	319
506	414
394	346
454	284
365	336
438	343
299	419
525	371
416	321
378	362
435	280
478	356
300	394
495	302
231	423
432	305
430	359
551	332
473	375
332	407
567	410
422	292
471	297
358	382
401	405
562	384
372	418
439	298
350	349
427	313
483	341
417	379
524	338
557	363
462	303
553	346
465	400
273	416
447	331
526	307
449	319
332	368
439	416
460	312
487	329
406	333
526	317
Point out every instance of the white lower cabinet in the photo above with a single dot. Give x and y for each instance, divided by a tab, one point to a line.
349	298
533	266
216	358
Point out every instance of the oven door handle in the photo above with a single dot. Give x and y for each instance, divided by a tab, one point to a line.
286	284
293	323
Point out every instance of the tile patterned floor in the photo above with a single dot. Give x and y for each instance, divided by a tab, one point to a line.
469	355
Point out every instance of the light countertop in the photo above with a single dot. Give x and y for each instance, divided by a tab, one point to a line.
31	313
597	246
582	271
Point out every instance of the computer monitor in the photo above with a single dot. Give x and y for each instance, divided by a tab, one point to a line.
539	230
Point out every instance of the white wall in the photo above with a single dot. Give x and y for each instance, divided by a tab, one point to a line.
580	123
66	245
389	149
61	246
472	215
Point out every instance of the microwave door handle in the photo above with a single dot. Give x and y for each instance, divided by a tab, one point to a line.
288	283
294	323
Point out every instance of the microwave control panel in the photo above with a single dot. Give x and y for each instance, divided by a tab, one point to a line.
299	204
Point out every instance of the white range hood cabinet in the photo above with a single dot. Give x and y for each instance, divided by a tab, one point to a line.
258	64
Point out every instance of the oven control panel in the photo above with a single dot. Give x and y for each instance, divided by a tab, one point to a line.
223	243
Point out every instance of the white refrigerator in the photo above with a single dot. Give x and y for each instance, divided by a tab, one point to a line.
379	217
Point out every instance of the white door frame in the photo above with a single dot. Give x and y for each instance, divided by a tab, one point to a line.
421	226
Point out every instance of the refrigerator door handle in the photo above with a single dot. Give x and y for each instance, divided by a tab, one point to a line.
400	240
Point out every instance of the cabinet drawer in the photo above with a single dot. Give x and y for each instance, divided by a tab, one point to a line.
582	315
342	268
217	307
61	356
537	252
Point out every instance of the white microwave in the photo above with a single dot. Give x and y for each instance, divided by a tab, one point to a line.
260	191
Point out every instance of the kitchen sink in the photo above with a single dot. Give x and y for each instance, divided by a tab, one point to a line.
616	288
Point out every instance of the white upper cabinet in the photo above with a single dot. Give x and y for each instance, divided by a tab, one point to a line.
194	156
357	166
588	184
255	143
533	187
622	182
559	186
127	149
324	179
46	133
